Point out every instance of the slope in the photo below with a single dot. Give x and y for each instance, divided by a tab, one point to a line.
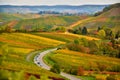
109	18
46	23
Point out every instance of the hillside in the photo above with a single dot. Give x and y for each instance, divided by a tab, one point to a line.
14	50
109	18
9	17
46	23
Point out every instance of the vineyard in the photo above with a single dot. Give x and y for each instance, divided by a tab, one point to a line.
46	23
65	37
71	61
14	50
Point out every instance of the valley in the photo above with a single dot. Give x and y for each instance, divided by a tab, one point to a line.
51	46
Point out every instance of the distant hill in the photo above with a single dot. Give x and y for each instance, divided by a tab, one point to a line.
46	23
9	17
88	9
109	17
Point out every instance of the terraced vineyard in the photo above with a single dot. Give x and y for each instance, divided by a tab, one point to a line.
109	19
65	37
14	48
71	61
46	23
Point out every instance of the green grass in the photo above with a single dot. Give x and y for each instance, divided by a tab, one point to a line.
47	59
87	78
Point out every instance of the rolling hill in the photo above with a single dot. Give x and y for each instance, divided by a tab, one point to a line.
109	18
14	50
9	17
46	23
89	9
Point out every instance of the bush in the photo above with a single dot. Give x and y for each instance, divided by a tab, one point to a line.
32	78
76	47
80	71
55	68
74	71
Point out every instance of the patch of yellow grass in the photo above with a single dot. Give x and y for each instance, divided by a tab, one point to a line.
82	36
22	50
42	39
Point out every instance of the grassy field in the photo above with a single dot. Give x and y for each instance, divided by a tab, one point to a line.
14	47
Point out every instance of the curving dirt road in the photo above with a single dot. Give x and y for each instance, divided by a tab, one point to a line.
38	60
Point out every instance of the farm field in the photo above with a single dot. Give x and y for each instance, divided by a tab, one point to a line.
65	37
14	50
60	45
46	23
109	19
71	61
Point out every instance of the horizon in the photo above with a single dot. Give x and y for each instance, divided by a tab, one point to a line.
55	5
57	2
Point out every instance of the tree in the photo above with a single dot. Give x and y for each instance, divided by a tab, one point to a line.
117	35
84	31
76	41
62	29
98	28
102	34
109	33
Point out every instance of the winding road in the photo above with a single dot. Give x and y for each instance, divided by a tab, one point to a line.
38	60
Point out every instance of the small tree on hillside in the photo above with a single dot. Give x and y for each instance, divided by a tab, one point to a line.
99	28
76	41
117	35
84	31
102	34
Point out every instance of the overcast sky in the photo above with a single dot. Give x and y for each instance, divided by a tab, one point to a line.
56	2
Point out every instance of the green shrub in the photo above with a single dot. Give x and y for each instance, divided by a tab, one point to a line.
55	68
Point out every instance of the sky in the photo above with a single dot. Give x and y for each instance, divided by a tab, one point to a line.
56	2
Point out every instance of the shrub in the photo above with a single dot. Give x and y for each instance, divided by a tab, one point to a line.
32	78
80	71
55	68
74	71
